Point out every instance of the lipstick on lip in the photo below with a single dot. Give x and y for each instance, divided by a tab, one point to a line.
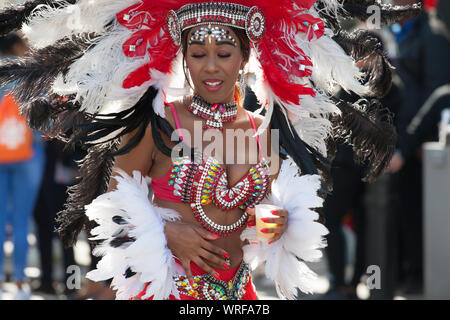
213	84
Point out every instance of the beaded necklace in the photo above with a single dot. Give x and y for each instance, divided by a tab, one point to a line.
215	114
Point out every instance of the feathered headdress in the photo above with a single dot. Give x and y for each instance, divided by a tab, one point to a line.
102	63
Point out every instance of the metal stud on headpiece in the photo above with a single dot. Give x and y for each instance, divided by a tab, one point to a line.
173	24
228	14
255	24
210	32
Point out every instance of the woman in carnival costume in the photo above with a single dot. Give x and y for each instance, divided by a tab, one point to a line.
104	71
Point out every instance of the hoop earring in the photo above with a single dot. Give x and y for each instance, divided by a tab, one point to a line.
242	83
187	82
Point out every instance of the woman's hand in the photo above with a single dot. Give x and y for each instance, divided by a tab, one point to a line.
192	243
396	163
280	218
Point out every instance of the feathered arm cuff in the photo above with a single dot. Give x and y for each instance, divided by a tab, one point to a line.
134	248
285	258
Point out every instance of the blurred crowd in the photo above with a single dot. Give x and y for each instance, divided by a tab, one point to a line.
35	173
34	176
419	49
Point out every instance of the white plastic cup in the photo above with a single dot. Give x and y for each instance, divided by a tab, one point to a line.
264	211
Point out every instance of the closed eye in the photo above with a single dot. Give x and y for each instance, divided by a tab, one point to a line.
198	56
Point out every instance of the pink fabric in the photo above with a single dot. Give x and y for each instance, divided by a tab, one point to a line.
162	190
177	121
257	137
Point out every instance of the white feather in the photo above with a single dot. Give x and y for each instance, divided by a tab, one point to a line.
48	24
148	256
332	66
255	75
303	238
330	6
96	78
178	86
311	120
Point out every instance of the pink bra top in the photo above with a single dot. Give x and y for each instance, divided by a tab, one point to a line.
204	180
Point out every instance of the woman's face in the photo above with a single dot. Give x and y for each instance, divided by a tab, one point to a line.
214	58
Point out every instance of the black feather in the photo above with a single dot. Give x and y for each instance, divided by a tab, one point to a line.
291	142
367	126
12	18
120	241
304	156
129	273
366	47
388	13
119	220
50	114
138	117
119	124
34	74
94	172
330	20
96	167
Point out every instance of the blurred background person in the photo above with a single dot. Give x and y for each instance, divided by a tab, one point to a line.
60	172
21	164
345	202
423	66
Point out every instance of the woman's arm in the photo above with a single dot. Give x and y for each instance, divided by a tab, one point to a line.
187	241
139	158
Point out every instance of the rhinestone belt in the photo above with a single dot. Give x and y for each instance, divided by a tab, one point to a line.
206	287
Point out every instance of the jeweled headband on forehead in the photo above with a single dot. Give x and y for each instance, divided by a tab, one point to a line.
229	14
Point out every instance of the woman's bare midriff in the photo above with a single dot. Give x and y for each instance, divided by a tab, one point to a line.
231	244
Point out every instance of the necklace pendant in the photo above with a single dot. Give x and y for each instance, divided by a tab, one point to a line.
214	107
212	124
214	114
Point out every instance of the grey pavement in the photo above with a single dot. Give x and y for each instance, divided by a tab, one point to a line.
265	288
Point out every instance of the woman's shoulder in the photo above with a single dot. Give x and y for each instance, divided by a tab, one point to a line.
138	157
176	106
257	117
177	103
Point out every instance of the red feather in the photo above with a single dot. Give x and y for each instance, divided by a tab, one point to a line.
310	25
279	55
137	77
162	52
139	42
142	15
279	78
285	53
287	91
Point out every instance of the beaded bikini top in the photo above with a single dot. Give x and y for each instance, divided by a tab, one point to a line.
204	181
